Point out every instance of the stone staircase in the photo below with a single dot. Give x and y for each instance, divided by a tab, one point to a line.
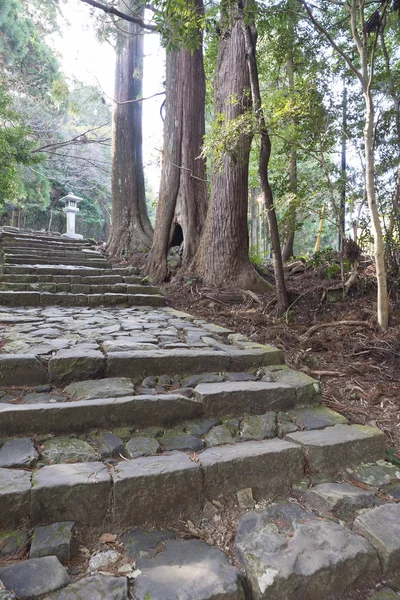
148	454
42	269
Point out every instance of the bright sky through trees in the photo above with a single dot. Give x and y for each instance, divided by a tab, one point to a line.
86	59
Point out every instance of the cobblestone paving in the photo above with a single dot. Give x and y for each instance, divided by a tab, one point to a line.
47	330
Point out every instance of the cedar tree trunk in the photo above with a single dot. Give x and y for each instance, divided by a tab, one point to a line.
183	190
222	259
131	229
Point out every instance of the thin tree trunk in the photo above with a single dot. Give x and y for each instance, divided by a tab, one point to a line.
288	247
254	220
183	190
342	207
265	153
320	228
131	228
379	254
222	259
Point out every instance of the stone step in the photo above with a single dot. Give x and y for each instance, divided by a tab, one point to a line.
288	553
7	234
284	550
281	389
20	298
65	258
105	280
79	288
148	489
62	243
46	260
154	489
120	402
339	447
56	251
65	270
76	364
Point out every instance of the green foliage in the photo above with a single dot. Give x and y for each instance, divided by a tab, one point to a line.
225	135
179	23
256	258
15	148
390	456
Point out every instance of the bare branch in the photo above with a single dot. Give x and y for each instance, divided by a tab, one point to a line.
332	42
113	11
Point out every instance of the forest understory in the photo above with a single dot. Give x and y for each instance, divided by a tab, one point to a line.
358	365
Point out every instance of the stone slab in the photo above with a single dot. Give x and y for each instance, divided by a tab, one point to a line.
289	554
188	569
69	492
96	587
15	488
168	362
381	527
157	489
52	540
341	498
15	368
80	416
69	365
316	417
19	298
145	544
16	453
336	448
67	449
31	578
104	388
257	464
13	543
253	397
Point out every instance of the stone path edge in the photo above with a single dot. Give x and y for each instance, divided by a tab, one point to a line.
80	416
139	492
15	368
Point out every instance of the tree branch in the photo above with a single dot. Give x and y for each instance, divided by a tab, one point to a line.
332	42
113	11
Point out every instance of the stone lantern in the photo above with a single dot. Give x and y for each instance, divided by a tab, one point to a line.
70	209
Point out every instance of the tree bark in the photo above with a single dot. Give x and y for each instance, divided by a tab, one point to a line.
343	169
265	153
254	220
183	189
131	230
288	247
222	259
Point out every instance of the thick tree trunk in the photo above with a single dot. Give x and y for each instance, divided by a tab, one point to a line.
183	190
222	259
131	229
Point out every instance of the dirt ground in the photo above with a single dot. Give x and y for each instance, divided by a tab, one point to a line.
358	365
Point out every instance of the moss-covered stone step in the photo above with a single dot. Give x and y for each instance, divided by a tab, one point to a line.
26	298
45	259
80	288
280	388
65	270
155	489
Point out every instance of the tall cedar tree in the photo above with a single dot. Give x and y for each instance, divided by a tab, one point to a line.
222	259
183	191
131	228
